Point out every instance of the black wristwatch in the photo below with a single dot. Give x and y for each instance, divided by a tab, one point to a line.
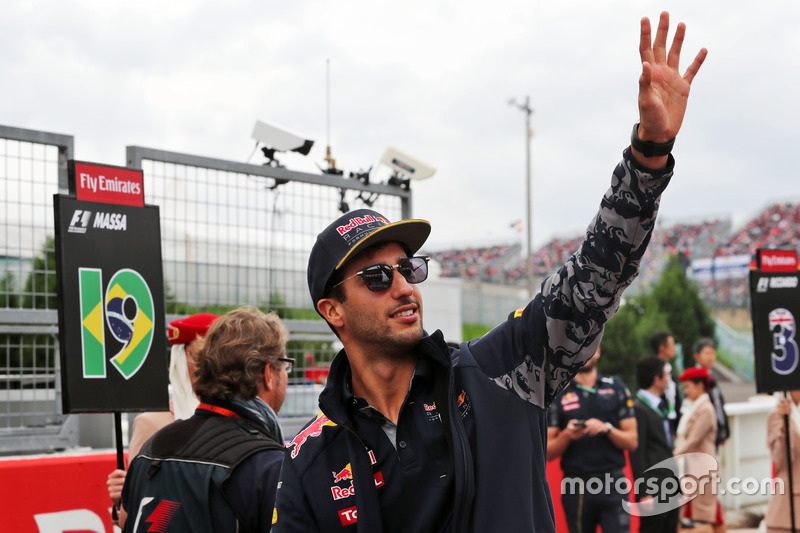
650	148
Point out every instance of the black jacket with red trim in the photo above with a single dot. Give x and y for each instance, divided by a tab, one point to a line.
215	472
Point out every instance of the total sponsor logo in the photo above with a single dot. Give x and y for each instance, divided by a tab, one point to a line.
314	429
778	282
348	516
109	221
360	221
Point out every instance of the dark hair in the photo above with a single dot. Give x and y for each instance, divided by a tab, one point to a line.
658	339
648	368
333	289
703	343
706	383
235	351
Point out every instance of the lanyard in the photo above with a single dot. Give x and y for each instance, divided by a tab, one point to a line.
647	401
218	410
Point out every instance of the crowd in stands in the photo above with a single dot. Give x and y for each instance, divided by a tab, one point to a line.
693	240
777	226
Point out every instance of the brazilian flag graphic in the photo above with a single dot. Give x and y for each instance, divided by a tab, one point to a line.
129	313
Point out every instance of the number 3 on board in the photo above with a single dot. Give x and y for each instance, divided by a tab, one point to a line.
783	327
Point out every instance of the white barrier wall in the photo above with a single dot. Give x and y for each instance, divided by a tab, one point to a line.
745	456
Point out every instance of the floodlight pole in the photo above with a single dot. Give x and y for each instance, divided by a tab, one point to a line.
528	212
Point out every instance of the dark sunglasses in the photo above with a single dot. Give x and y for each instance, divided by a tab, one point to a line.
379	277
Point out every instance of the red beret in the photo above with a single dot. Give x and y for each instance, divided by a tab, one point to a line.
696	372
185	330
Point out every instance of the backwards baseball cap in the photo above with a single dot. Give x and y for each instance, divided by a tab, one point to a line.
351	233
185	330
696	372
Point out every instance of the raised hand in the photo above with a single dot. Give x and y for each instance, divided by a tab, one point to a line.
663	91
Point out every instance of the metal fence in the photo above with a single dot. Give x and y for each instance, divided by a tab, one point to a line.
232	234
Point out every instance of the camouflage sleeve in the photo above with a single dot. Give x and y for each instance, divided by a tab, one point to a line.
542	346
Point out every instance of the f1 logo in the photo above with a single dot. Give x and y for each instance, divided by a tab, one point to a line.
763	285
80	221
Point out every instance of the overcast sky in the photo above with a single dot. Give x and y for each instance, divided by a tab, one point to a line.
431	77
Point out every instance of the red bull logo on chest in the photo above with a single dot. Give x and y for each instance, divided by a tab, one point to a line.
313	430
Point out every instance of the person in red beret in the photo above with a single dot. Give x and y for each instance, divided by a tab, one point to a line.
184	335
697	433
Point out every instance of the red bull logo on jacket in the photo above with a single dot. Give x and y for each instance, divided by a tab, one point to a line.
313	430
344	473
340	493
463	403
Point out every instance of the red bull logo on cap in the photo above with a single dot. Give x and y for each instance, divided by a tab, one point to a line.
359	221
313	430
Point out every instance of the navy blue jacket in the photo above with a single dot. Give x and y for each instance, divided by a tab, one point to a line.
491	393
214	472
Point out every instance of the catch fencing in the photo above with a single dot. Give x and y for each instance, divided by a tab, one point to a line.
232	234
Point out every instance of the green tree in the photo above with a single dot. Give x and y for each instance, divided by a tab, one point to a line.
39	291
8	295
688	317
673	305
32	353
627	336
307	352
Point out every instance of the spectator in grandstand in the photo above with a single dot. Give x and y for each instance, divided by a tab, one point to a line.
778	516
663	345
697	434
185	336
218	470
416	436
705	355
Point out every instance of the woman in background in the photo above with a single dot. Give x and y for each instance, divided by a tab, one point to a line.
778	517
697	433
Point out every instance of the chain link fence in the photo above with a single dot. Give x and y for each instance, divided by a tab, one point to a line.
232	234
